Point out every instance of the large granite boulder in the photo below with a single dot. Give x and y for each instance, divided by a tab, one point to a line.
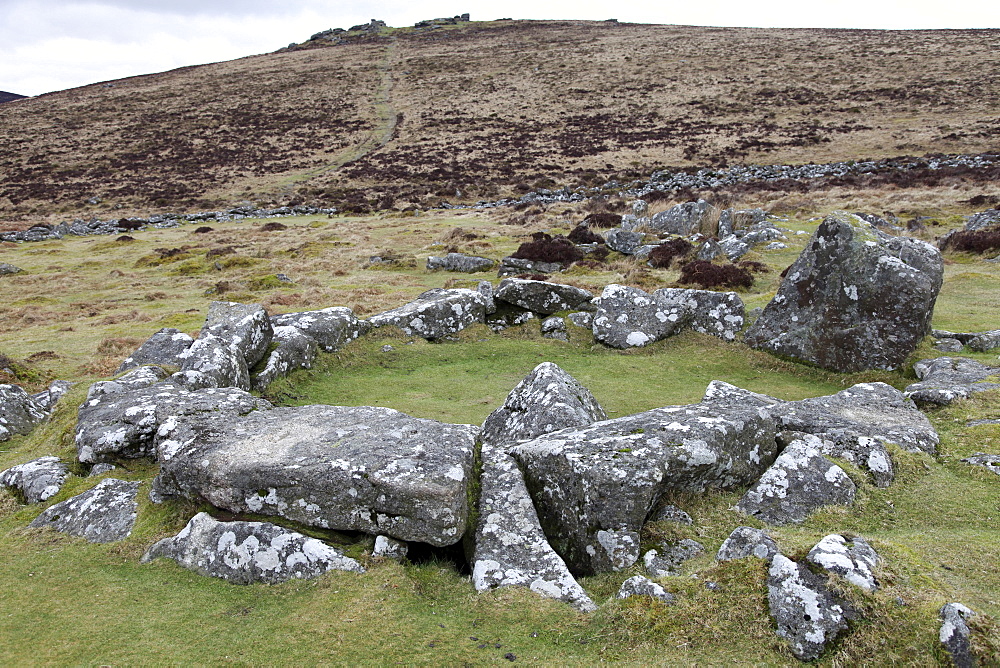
468	264
720	314
541	296
629	317
19	413
104	514
349	468
853	559
800	481
332	328
807	613
124	424
594	486
295	350
624	241
946	379
547	399
855	299
436	313
36	480
245	328
247	552
683	219
164	347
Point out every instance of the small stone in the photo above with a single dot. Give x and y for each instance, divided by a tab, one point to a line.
668	559
808	615
390	548
640	586
747	542
672	514
387	348
104	514
37	480
955	634
101	469
986	461
853	559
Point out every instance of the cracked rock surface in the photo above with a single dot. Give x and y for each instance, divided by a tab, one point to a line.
332	328
349	468
19	412
163	347
542	297
246	552
947	379
104	514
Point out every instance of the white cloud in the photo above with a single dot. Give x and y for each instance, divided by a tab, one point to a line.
56	44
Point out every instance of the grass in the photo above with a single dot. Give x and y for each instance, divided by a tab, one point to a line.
87	301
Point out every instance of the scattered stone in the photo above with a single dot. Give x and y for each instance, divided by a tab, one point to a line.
733	220
332	328
542	297
808	615
104	514
546	400
469	264
8	269
669	558
624	241
775	245
436	313
855	299
852	559
19	413
390	548
554	328
955	634
125	424
641	586
582	319
247	552
747	542
720	314
295	350
946	379
985	341
709	250
594	484
672	514
164	347
386	348
37	480
982	220
800	481
987	461
348	468
101	469
734	247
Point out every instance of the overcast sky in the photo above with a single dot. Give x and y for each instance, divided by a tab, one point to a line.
48	45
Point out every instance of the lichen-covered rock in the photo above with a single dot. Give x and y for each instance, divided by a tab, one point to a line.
215	363
349	468
672	514
734	247
436	313
515	265
681	219
104	514
668	559
332	328
582	319
163	347
640	586
601	481
6	268
808	615
747	542
731	220
135	379
855	299
38	479
247	552
629	317
542	297
987	461
19	413
800	481
717	313
554	327
510	547
947	379
390	548
948	345
982	220
624	241
545	400
125	424
101	469
708	250
853	559
295	350
468	264
47	399
245	328
506	315
955	634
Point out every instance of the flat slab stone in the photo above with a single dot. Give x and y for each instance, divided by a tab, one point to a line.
349	468
542	297
947	379
37	480
800	481
468	264
987	461
594	486
332	328
436	313
248	552
104	514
